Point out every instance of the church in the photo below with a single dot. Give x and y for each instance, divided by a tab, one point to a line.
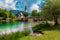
20	13
21	16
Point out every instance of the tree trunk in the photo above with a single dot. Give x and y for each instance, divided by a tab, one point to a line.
55	18
56	21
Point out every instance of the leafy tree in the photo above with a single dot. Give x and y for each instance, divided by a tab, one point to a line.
2	13
34	13
6	14
11	15
25	14
51	9
39	13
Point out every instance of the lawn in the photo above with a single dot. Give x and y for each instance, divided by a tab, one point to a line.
48	35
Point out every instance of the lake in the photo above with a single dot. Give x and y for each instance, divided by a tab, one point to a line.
15	26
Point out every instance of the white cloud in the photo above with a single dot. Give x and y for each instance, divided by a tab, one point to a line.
10	4
7	4
35	6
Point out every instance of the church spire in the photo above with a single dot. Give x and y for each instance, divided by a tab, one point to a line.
25	9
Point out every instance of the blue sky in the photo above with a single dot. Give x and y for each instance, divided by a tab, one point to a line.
20	4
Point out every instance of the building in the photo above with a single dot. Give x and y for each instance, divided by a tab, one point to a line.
20	13
25	9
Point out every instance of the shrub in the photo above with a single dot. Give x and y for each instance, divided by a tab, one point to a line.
26	32
14	36
42	27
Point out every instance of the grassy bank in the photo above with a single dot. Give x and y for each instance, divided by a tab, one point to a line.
50	33
14	36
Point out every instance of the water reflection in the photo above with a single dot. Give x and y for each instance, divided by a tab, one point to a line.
30	28
21	26
15	26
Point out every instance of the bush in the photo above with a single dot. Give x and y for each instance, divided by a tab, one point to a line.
26	32
42	27
14	36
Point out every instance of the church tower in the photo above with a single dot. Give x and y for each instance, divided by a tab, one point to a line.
25	9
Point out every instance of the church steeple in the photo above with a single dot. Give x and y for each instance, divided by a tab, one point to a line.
25	9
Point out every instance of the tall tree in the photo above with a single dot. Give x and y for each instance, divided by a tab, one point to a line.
6	14
25	14
52	9
11	15
34	13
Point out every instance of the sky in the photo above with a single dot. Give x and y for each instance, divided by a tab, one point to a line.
20	4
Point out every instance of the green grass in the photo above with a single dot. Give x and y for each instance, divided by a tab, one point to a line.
14	35
50	32
48	35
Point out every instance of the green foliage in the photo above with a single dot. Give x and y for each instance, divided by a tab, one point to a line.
42	27
3	15
26	32
48	35
11	15
51	8
6	14
34	13
14	35
25	14
39	14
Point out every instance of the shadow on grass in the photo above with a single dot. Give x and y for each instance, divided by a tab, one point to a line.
45	27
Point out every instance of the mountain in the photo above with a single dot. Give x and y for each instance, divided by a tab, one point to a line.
16	11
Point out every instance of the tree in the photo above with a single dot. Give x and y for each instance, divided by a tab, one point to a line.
34	13
25	14
51	9
11	15
6	14
3	15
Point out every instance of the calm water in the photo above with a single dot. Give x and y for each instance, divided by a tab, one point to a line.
14	26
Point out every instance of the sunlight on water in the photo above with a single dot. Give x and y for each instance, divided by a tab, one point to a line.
13	27
21	26
30	28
